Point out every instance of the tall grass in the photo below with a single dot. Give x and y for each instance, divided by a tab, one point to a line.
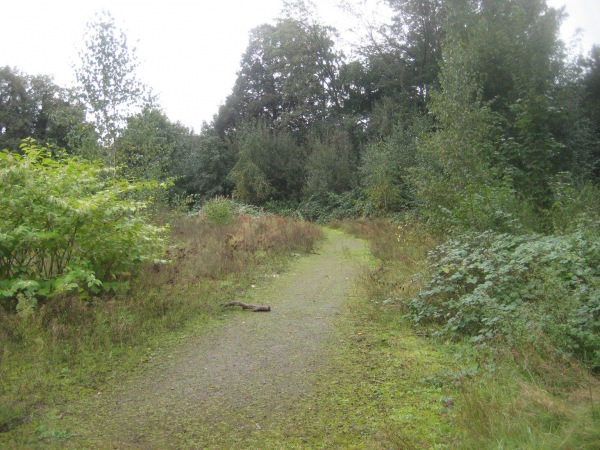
71	346
519	396
401	248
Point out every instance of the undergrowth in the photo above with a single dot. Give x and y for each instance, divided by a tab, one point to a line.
521	342
518	289
70	346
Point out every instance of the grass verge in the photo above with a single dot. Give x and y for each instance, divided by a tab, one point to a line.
509	395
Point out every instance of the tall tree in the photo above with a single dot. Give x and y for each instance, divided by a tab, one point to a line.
331	166
15	110
270	164
497	122
145	148
201	165
591	101
107	77
416	33
34	106
287	79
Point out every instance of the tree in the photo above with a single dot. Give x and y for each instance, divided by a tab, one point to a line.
145	148
270	165
494	144
386	163
109	85
34	106
454	161
402	57
591	102
201	166
16	121
519	61
287	79
417	33
332	163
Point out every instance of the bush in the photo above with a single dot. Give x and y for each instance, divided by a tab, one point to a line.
67	225
219	211
223	211
489	286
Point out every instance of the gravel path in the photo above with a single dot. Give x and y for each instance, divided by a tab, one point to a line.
238	377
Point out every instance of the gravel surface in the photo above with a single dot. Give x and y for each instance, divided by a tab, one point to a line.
238	377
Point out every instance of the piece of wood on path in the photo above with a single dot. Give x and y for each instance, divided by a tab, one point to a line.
255	308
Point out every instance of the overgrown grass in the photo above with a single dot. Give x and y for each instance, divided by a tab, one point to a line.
510	396
70	347
382	387
401	249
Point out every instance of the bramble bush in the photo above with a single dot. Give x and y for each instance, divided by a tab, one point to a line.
67	225
513	287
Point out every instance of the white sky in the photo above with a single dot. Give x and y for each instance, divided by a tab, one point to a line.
189	50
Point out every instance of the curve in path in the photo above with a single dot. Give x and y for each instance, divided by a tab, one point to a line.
239	376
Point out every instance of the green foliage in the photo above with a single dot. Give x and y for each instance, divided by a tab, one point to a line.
201	165
287	79
454	183
417	33
270	165
35	107
575	204
517	288
386	164
329	206
109	85
381	177
145	148
498	138
520	395
331	164
251	184
531	156
219	211
67	226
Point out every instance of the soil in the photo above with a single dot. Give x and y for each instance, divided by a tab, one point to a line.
237	378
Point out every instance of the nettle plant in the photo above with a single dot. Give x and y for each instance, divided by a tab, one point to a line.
68	225
517	287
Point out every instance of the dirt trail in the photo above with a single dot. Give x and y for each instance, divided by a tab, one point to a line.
237	378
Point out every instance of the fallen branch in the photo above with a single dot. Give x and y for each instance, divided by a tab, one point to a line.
255	308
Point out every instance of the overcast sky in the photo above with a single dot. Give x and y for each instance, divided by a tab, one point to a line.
189	50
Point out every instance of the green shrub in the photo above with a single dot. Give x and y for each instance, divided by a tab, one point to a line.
489	286
67	225
223	211
219	211
573	204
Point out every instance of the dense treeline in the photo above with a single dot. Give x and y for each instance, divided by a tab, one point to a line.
449	100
